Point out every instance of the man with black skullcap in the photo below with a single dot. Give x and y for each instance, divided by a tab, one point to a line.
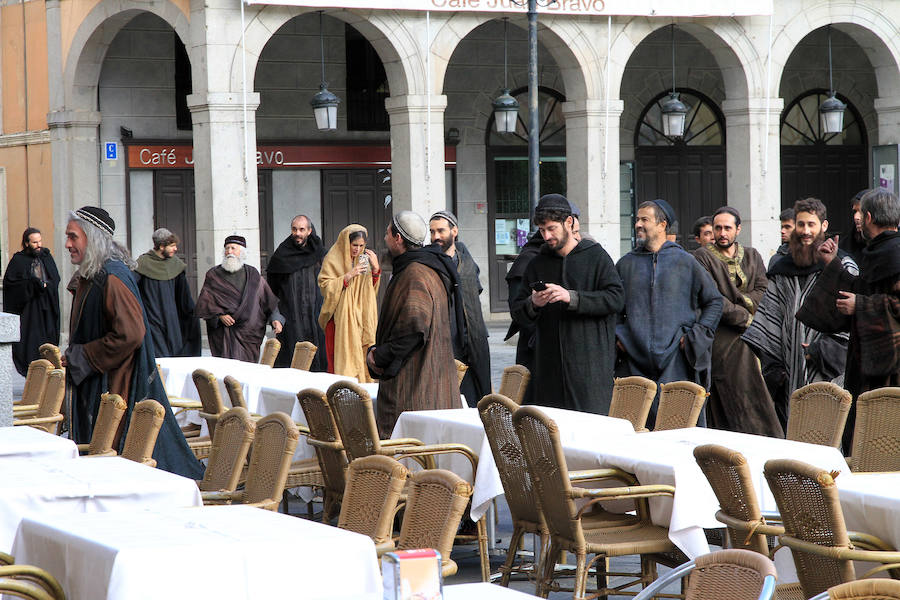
413	354
672	306
571	293
110	348
470	336
237	304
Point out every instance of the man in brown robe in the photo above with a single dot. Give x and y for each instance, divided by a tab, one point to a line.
413	351
237	303
738	398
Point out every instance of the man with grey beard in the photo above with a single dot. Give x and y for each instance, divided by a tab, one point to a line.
237	304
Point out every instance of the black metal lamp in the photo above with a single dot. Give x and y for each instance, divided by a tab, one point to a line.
831	111
324	103
506	108
674	111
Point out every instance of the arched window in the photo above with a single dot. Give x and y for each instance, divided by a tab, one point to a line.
703	126
801	125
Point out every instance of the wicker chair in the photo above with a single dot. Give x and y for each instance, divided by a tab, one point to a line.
822	548
876	436
818	412
47	414
270	352
632	398
435	505
235	391
178	403
863	589
229	451
304	353
514	382
146	420
374	485
52	353
324	437
461	369
35	383
680	404
7	559
270	459
26	581
732	574
109	416
210	396
355	419
539	437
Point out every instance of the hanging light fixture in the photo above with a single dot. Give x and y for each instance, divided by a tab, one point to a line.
674	110
506	108
831	110
324	103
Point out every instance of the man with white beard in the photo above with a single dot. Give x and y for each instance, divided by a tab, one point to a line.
237	304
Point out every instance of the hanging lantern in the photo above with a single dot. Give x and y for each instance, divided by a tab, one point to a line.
674	112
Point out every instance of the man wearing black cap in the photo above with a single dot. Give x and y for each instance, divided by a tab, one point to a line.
110	347
470	337
571	293
237	304
672	306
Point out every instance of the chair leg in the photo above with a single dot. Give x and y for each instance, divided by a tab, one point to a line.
481	528
545	579
580	576
601	565
506	569
648	570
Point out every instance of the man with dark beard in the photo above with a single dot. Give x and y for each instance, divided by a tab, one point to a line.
237	304
293	274
470	337
792	353
867	305
31	290
167	298
738	398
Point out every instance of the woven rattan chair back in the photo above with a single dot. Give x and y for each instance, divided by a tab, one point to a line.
374	484
876	437
731	481
461	369
732	574
112	409
539	439
514	382
235	391
324	437
355	419
51	400
807	499
270	352
30	582
496	413
680	404
270	459
818	413
866	589
146	420
210	397
228	454
632	398
434	507
36	381
52	353
304	353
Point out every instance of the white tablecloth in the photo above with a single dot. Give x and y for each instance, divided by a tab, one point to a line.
36	487
482	591
464	426
223	552
28	442
666	457
871	504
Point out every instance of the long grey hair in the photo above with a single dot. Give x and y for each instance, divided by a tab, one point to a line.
100	248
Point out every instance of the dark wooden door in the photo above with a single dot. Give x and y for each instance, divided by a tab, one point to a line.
690	178
833	174
173	208
266	228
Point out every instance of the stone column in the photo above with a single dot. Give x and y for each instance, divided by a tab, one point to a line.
592	178
225	190
888	110
753	172
417	153
9	333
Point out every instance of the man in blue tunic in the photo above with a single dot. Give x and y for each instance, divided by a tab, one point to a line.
672	306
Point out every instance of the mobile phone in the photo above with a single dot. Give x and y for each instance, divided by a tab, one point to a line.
363	260
539	286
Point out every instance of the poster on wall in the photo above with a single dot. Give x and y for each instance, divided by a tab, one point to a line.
885	167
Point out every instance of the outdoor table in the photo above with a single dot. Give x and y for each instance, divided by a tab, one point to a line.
28	442
871	503
464	426
666	457
38	487
222	552
482	591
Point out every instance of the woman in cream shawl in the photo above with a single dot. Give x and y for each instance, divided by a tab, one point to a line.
349	312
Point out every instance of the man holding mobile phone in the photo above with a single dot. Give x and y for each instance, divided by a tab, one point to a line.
572	295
